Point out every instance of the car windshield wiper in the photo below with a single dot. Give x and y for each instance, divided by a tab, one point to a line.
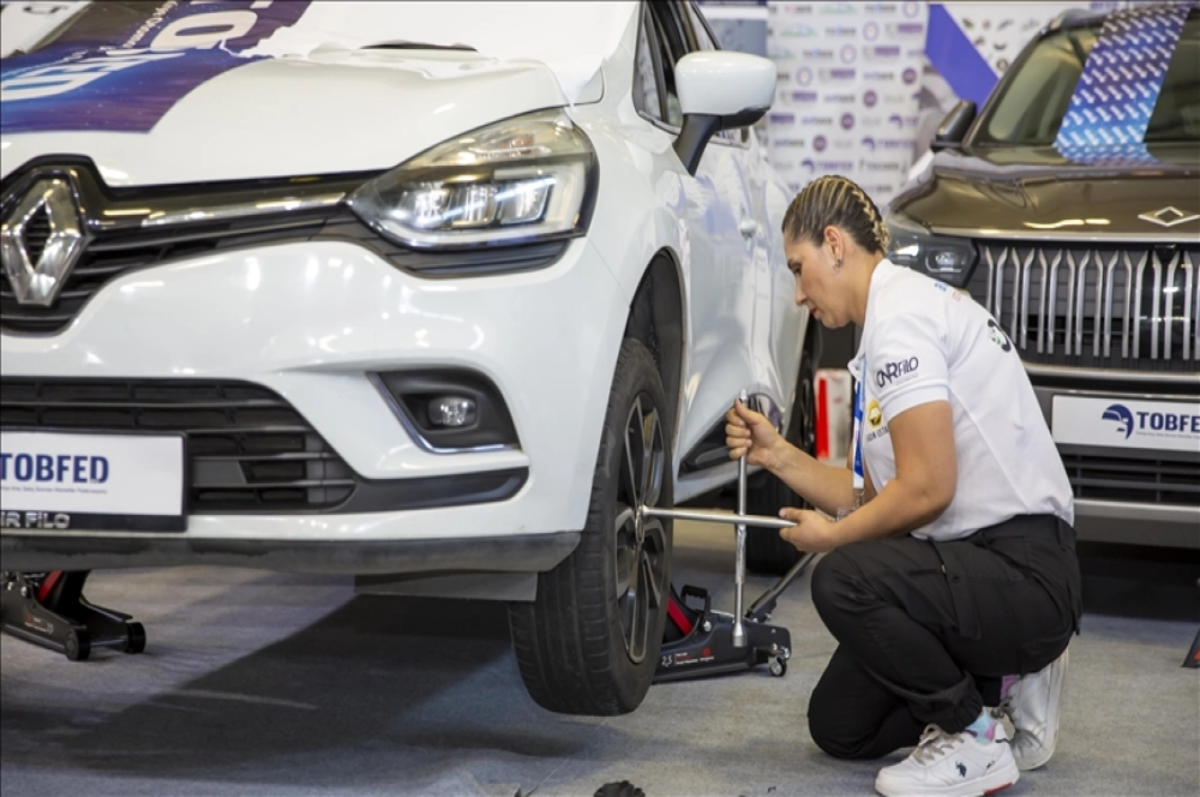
406	45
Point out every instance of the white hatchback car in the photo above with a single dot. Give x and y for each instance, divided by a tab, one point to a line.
432	294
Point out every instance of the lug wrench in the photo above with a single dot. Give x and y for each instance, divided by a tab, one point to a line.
741	520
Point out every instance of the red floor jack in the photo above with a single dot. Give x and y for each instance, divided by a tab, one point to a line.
702	642
49	609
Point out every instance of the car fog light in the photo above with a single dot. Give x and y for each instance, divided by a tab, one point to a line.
452	411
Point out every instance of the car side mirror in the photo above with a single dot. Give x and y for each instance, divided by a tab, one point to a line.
719	91
953	129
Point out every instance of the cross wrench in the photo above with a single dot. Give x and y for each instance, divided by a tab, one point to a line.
741	520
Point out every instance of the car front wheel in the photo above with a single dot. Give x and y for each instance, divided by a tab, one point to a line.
588	644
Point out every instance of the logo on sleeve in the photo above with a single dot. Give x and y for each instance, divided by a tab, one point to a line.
899	370
997	335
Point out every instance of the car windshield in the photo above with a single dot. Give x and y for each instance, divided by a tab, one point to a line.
1034	98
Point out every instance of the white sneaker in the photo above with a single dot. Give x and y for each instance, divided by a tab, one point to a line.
1033	706
951	765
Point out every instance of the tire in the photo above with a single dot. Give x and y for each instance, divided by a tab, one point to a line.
589	642
766	551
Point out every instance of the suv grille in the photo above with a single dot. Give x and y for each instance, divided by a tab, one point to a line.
1107	306
1149	481
248	449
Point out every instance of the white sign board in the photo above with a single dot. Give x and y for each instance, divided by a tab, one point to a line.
81	474
1150	425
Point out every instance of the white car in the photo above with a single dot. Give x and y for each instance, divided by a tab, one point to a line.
432	294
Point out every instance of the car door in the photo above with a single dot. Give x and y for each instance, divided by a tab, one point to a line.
777	331
721	232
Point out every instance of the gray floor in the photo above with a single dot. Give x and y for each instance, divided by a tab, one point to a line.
267	684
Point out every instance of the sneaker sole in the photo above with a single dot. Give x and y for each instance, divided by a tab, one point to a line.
994	782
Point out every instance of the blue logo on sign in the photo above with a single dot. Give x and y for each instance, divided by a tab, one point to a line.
63	468
1121	414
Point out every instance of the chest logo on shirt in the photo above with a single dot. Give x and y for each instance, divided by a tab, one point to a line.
896	370
874	414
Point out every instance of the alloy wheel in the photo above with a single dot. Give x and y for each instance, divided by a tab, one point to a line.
641	547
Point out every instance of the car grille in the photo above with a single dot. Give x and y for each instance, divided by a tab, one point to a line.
1107	306
1150	481
110	255
248	449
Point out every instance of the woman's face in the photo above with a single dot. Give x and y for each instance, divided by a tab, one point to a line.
816	282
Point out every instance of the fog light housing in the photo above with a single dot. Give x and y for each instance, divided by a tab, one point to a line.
448	410
451	411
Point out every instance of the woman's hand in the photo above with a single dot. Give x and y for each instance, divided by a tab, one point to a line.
813	532
750	433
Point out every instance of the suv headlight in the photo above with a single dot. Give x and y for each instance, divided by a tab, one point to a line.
524	179
943	258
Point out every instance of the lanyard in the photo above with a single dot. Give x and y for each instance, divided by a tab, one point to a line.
858	415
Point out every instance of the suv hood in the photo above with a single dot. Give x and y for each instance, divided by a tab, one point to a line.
333	110
1023	191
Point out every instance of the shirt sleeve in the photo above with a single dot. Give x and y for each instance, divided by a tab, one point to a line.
906	361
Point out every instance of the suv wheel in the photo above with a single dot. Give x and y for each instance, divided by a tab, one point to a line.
766	551
588	644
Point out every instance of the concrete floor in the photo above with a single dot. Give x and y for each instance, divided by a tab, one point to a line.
272	684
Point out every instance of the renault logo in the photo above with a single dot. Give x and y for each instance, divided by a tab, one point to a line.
1168	216
40	240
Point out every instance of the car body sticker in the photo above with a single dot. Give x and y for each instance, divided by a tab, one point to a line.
121	66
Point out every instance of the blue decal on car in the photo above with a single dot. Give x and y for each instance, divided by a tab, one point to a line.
118	69
1114	99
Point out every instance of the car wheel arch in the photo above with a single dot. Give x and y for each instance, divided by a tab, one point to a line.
657	319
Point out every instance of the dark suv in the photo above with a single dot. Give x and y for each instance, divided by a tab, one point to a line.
1069	206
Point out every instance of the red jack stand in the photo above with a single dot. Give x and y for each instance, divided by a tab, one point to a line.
49	609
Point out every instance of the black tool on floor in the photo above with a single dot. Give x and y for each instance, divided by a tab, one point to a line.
701	642
49	609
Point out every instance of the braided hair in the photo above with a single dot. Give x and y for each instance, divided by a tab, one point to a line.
836	200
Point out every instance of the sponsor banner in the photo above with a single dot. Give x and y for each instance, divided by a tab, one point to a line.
1152	425
847	98
82	474
116	71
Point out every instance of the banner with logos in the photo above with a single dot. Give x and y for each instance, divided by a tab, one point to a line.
846	99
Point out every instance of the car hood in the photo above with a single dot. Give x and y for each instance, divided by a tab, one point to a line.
1035	190
333	110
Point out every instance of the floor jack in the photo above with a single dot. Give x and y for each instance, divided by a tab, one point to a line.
49	609
714	642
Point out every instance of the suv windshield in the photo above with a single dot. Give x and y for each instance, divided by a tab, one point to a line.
1033	99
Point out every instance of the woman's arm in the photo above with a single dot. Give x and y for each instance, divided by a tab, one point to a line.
926	477
827	487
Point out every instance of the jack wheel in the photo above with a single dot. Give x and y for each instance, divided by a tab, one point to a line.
135	638
777	666
77	646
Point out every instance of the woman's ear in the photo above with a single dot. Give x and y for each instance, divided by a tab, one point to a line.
836	241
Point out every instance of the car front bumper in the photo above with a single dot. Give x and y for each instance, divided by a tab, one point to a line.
1124	495
311	321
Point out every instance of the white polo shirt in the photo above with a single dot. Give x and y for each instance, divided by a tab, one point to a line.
924	341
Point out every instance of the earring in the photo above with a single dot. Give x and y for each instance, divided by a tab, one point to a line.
837	265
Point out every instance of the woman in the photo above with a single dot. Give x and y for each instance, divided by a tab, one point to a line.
951	582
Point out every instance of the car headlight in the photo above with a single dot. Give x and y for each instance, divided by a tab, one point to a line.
941	257
524	179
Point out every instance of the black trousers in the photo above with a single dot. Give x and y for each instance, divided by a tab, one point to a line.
926	630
